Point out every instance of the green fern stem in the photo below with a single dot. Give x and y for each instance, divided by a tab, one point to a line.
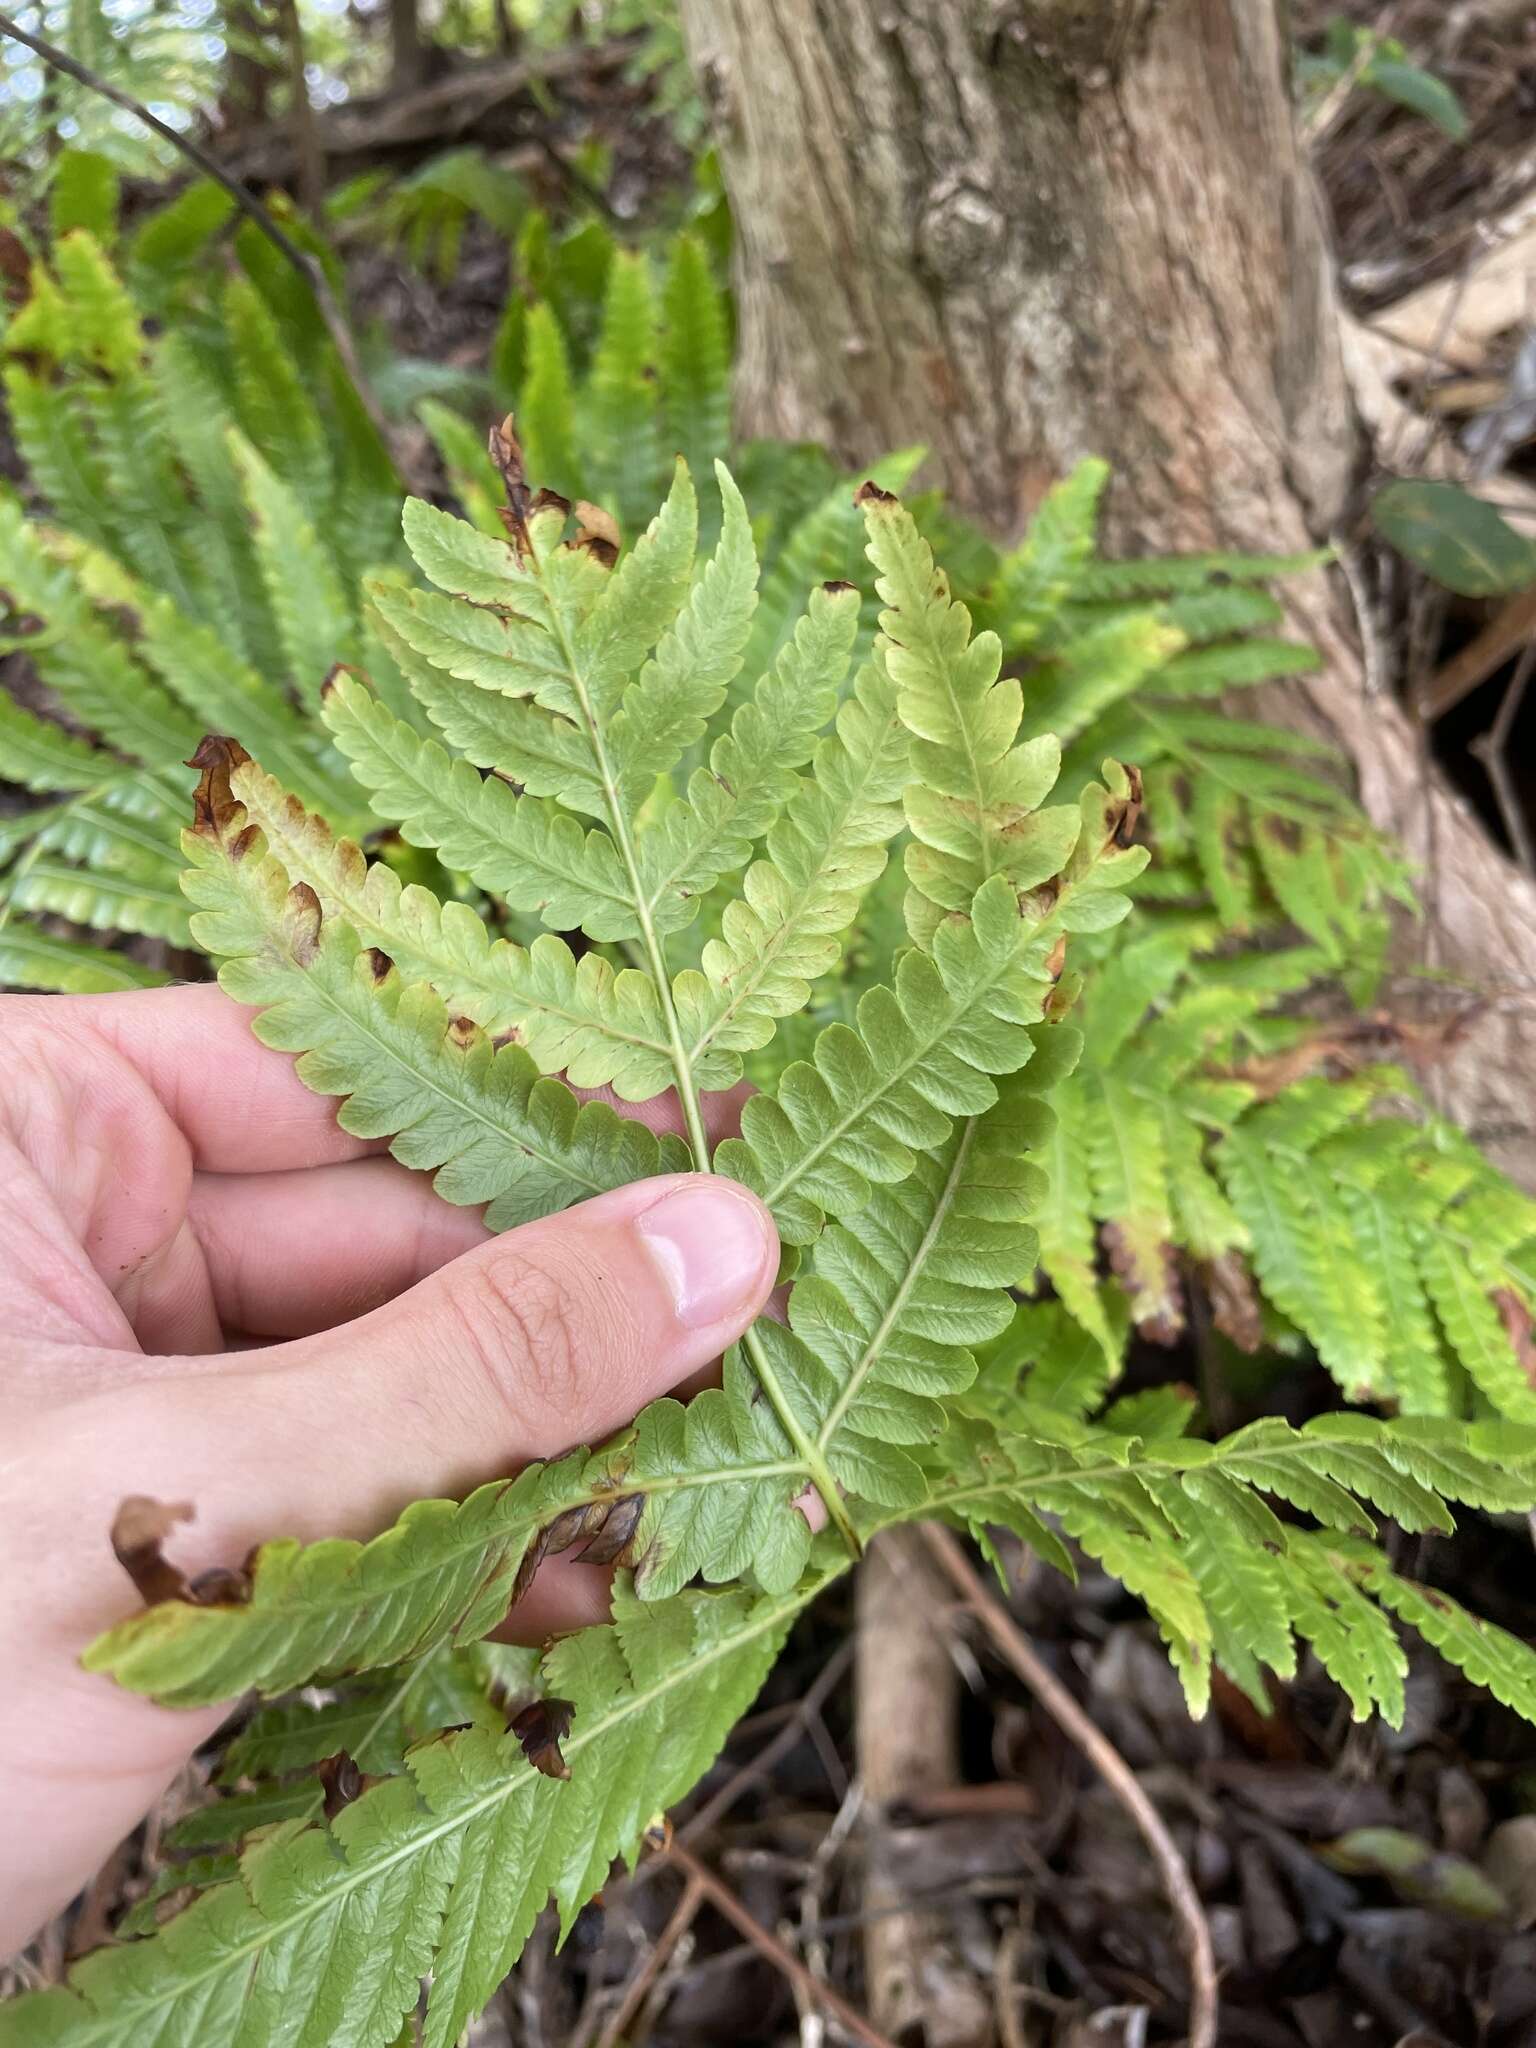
819	1470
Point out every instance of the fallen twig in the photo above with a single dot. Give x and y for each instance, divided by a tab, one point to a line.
1512	626
1490	748
305	264
725	1902
803	1713
682	1918
1010	1644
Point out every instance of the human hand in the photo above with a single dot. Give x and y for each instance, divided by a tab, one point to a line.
171	1195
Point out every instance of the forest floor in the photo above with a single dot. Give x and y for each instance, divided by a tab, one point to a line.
1026	1910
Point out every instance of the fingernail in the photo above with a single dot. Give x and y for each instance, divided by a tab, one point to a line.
713	1246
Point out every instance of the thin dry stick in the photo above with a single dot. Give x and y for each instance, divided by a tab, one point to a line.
1009	1642
725	1902
306	265
683	1915
1489	748
802	1715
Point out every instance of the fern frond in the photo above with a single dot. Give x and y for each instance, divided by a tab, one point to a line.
693	362
798	902
330	1929
622	396
41	756
752	769
665	710
314	622
974	800
536	857
546	417
102	900
924	1051
1037	577
1490	1656
493	1131
33	958
580	1017
89	669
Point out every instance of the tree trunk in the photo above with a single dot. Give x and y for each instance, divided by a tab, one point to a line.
407	51
308	153
1027	233
243	102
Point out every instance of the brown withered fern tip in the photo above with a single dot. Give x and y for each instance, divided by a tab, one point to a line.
341	1781
1124	816
506	451
597	533
540	1728
213	806
604	1528
870	493
139	1531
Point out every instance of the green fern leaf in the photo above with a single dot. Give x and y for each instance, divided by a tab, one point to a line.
694	359
482	1118
41	756
314	622
580	1017
1040	574
33	958
1490	1657
538	858
330	1929
547	418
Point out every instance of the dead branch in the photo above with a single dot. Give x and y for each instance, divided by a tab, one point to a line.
439	114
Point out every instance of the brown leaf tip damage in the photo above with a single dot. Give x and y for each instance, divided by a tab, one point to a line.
305	919
606	1530
336	671
213	805
341	1781
870	493
1124	815
139	1530
506	453
838	588
380	966
540	1729
597	532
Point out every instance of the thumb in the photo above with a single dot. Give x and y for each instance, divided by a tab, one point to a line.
549	1336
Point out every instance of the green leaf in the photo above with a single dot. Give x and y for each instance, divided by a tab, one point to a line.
1455	538
1413	87
329	1929
481	1117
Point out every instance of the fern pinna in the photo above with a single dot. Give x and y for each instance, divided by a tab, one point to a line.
599	768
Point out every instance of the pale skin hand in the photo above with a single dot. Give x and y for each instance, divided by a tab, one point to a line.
170	1195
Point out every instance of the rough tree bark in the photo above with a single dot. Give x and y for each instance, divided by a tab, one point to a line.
1023	231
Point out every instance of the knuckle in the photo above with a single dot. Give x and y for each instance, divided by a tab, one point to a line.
517	1331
